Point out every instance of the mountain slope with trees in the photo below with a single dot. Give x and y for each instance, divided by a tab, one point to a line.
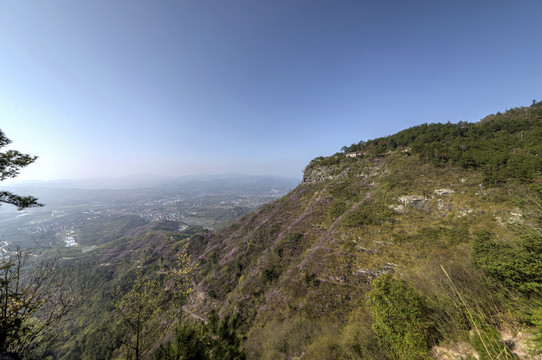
446	215
422	244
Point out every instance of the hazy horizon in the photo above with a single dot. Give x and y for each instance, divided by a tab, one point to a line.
111	89
136	181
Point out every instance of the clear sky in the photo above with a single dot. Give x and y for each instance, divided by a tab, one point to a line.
173	87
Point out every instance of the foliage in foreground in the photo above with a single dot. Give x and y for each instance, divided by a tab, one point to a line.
11	162
33	294
216	339
34	297
518	266
401	319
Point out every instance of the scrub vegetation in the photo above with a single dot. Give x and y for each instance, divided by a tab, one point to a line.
425	242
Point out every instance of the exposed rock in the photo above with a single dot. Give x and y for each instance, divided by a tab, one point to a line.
367	250
323	173
313	174
444	191
411	199
464	212
399	208
353	154
441	205
373	274
416	201
514	218
457	351
521	345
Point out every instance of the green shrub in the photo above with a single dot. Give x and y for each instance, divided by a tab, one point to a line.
358	340
269	275
217	339
191	342
516	265
347	191
400	319
537	321
326	347
289	245
336	209
369	213
277	340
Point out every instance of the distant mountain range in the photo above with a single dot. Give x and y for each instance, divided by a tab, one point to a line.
71	191
150	181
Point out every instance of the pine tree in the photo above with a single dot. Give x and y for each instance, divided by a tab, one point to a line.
11	161
135	309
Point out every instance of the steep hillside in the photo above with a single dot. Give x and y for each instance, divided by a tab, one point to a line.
104	275
447	216
423	244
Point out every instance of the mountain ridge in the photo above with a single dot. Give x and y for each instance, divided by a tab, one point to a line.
324	271
400	208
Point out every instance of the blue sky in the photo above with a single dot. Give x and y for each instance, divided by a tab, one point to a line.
113	88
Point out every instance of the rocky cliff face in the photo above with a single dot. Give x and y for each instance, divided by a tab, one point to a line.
322	173
319	171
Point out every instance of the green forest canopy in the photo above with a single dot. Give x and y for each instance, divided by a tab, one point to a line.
503	146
